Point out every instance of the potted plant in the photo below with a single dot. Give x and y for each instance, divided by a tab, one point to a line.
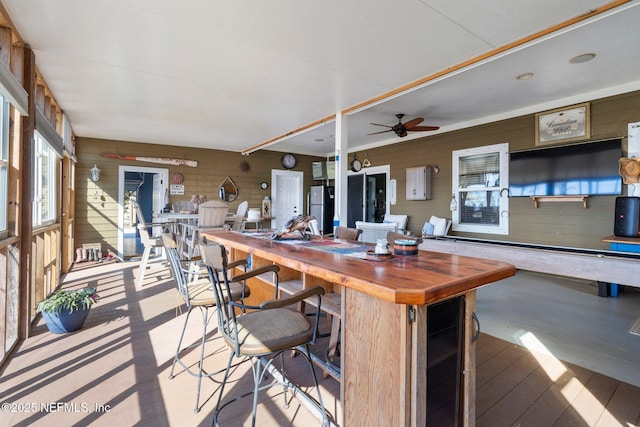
66	310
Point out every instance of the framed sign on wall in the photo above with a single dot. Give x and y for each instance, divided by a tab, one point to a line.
176	189
563	125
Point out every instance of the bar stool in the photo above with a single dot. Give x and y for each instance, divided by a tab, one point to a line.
260	333
196	292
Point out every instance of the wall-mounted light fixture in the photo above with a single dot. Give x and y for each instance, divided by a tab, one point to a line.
95	173
453	205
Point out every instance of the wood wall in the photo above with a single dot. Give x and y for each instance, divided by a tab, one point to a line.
564	224
97	217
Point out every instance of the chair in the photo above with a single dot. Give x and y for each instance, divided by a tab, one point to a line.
372	231
400	220
198	293
436	227
211	216
314	228
265	332
239	218
150	243
346	233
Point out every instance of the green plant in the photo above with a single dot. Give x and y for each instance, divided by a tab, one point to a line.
78	299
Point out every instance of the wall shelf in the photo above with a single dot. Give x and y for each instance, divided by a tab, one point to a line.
537	199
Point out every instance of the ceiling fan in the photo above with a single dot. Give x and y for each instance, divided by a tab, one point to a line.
401	129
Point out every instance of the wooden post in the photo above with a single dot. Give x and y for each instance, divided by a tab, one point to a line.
25	207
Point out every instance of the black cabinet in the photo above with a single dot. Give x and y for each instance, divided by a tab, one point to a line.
445	347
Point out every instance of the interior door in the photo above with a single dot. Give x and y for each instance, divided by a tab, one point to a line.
146	197
371	203
367	195
376	197
286	196
160	199
355	199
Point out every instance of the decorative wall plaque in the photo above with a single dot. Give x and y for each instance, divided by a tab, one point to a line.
563	125
266	209
176	189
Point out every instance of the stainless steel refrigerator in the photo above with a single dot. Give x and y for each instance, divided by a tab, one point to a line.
321	205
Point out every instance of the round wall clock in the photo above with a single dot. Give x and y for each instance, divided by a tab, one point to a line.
288	161
356	165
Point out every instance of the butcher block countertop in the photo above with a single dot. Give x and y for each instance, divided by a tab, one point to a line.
423	279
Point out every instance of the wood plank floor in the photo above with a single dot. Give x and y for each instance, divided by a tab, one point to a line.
114	372
566	317
518	387
565	327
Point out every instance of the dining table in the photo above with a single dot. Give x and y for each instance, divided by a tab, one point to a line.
178	223
175	220
177	216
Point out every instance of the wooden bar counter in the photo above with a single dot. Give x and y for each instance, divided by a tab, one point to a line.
407	355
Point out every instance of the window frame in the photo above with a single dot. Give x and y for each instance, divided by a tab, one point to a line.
5	109
502	228
42	150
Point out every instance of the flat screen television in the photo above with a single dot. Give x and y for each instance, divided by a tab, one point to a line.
579	169
318	170
323	170
331	170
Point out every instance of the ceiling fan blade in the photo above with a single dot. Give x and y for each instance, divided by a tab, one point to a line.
382	131
423	128
401	129
413	123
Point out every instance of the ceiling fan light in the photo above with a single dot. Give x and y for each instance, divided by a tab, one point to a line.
585	57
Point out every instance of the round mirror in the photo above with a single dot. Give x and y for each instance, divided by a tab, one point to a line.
228	190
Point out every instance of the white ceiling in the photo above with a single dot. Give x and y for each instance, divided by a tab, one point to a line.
233	75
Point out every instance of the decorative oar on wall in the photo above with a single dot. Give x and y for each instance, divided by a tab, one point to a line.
163	160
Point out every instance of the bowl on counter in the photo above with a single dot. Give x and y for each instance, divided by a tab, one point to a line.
405	247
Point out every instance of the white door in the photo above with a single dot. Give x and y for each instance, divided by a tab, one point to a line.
162	177
286	196
160	199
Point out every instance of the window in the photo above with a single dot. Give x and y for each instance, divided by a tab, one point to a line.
44	182
4	163
480	187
